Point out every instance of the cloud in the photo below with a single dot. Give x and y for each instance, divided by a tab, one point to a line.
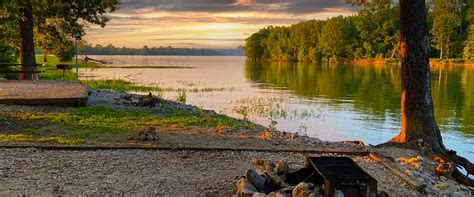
295	7
206	22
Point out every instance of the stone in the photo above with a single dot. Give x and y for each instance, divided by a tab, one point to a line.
148	100
288	189
382	194
281	167
314	194
264	183
277	194
443	178
338	193
442	186
458	194
245	187
301	190
148	134
257	194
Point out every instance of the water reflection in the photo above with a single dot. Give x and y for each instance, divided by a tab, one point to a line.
370	94
332	102
372	89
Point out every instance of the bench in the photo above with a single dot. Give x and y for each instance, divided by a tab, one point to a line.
5	69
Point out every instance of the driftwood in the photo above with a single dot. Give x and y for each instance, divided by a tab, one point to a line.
87	59
145	146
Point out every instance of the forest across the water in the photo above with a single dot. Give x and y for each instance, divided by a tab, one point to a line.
371	34
112	50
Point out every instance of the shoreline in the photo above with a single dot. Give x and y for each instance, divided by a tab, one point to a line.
230	140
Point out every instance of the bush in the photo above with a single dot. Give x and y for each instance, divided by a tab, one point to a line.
66	54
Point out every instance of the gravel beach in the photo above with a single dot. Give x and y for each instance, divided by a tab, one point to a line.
37	172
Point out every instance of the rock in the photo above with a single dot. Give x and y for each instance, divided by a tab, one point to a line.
277	194
382	194
135	101
148	101
258	161
458	194
301	190
281	167
420	141
288	189
245	187
315	192
442	186
443	178
314	195
338	193
257	194
126	97
263	182
148	134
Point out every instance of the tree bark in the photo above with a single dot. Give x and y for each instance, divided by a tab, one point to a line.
27	49
418	121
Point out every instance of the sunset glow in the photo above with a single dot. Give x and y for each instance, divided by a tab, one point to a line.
205	23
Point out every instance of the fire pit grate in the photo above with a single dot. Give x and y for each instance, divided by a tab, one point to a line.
344	174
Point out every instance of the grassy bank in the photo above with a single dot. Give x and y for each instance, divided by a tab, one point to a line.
103	124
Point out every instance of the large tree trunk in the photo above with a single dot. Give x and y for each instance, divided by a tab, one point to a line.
418	121
27	49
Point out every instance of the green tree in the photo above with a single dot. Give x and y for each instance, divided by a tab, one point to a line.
377	25
469	44
445	24
8	34
72	16
335	40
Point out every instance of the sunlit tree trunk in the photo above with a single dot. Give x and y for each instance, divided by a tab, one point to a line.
418	121
27	48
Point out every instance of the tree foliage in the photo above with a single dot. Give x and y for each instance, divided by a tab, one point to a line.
445	24
54	23
8	31
372	33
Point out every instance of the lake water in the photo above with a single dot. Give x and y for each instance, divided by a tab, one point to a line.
331	102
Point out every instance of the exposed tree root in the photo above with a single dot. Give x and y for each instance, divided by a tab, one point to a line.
459	161
446	155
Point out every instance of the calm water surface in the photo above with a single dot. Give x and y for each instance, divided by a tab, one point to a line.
331	102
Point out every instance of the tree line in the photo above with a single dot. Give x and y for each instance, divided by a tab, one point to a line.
112	50
371	34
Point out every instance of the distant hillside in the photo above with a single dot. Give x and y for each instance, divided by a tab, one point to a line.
112	50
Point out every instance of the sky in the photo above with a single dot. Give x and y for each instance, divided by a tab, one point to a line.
205	23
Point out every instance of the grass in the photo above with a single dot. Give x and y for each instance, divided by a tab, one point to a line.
144	66
123	85
119	85
28	138
102	124
52	73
